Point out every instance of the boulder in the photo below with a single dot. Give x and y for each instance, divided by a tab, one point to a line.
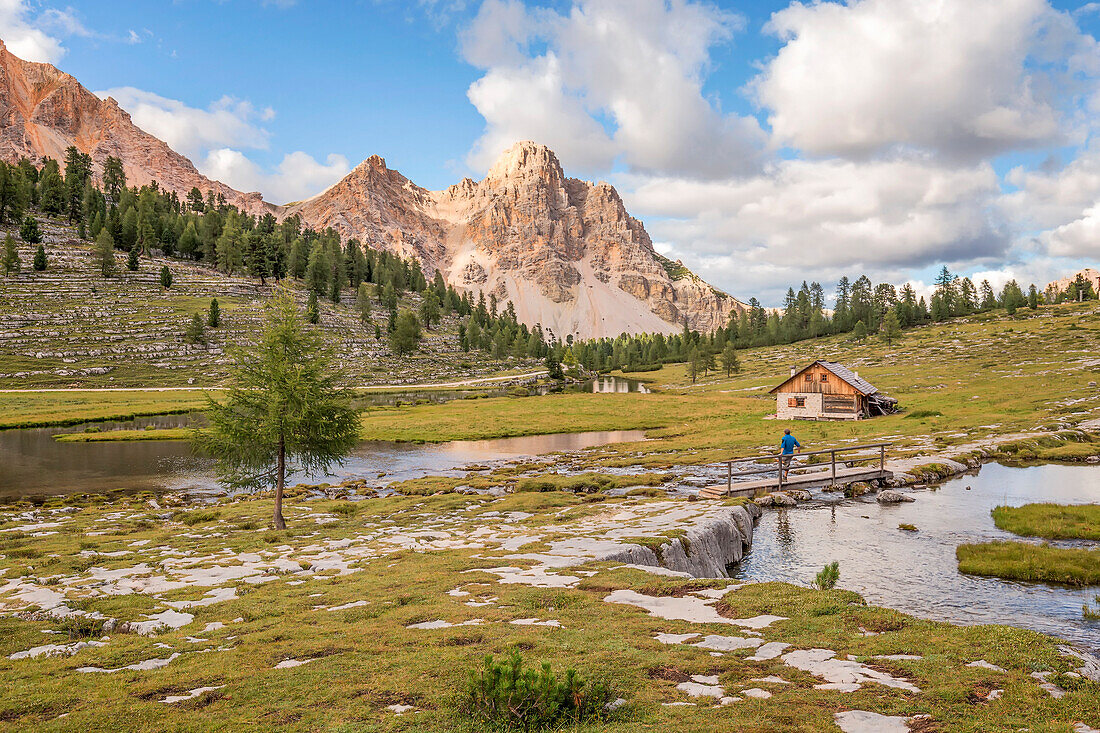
893	497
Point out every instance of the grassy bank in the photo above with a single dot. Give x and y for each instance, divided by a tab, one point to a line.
37	409
1052	521
1027	562
125	435
343	604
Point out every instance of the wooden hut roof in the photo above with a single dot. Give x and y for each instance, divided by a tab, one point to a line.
860	385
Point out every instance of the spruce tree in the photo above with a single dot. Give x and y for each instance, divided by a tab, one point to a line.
214	315
859	331
12	263
285	407
313	311
28	231
405	336
362	302
195	332
165	277
40	261
132	259
104	252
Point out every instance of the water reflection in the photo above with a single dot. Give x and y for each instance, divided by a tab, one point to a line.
916	572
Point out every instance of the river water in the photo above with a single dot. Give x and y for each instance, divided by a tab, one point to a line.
916	572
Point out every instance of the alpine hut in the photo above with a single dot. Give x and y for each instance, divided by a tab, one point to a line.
826	390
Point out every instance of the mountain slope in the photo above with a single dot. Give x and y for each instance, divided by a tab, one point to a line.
44	110
565	252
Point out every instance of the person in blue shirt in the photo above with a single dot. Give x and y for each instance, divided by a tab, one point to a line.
788	446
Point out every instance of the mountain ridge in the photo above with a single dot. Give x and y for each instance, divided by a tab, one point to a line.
564	251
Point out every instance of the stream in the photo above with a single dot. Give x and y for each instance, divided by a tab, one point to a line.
916	572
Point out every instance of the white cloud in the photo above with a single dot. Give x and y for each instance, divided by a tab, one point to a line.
25	35
213	138
189	130
966	78
610	79
297	177
818	220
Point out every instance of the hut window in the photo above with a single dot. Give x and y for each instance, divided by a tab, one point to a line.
824	377
809	378
796	402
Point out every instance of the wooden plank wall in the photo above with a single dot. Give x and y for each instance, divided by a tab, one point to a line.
832	384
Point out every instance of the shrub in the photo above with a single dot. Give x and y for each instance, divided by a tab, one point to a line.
28	231
503	695
829	575
348	509
917	414
198	517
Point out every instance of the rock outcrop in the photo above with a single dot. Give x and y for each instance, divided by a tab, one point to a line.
44	110
565	252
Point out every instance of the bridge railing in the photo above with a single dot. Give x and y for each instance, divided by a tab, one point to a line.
784	469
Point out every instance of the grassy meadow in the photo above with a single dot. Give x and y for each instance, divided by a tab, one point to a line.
1050	521
344	592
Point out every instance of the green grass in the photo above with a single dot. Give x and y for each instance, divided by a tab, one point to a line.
34	409
125	435
1052	521
1033	563
366	658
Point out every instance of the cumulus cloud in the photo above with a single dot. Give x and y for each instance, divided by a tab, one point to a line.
189	130
27	36
213	139
822	219
966	78
608	80
297	177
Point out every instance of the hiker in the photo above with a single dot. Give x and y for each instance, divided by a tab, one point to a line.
788	446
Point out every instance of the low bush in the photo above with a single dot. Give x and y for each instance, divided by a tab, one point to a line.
917	414
348	509
828	577
502	695
198	517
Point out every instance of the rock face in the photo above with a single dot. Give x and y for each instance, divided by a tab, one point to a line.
565	252
44	110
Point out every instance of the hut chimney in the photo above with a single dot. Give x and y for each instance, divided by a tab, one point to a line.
794	371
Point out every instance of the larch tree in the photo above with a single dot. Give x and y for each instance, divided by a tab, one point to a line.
11	259
104	253
285	409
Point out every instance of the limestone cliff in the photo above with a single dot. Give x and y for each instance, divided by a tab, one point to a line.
44	110
565	252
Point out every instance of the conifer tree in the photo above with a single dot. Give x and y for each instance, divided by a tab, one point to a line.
313	310
12	263
859	331
40	261
195	332
214	315
165	277
891	328
104	252
285	408
406	333
729	360
132	260
429	309
362	302
28	231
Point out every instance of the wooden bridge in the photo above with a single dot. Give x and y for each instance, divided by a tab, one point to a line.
862	463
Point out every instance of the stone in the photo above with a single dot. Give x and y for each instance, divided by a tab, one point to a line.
890	496
861	721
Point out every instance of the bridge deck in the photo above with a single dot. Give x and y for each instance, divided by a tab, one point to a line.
802	480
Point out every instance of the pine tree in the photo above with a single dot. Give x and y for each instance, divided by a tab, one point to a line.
313	310
12	263
891	328
195	332
859	331
214	315
729	360
285	406
40	261
104	252
362	302
165	277
406	333
28	231
429	309
132	260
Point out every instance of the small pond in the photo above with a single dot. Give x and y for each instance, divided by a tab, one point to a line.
916	572
34	464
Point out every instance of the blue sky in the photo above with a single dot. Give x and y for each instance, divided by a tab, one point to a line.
762	142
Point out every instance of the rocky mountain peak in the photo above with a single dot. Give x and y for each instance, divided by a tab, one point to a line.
524	160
